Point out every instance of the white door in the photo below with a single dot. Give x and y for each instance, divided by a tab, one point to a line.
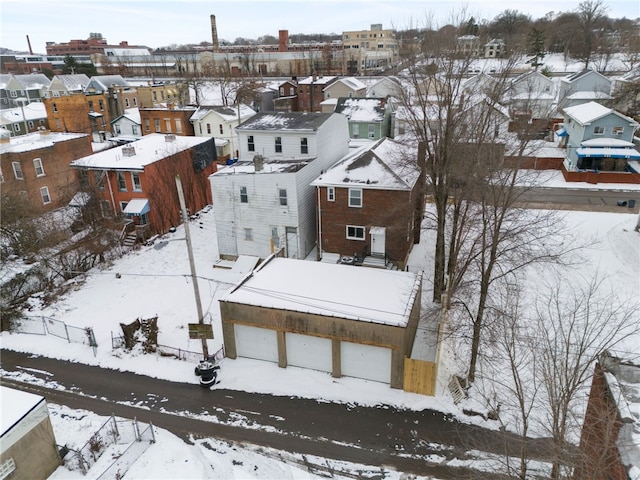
292	242
258	343
309	352
366	361
377	235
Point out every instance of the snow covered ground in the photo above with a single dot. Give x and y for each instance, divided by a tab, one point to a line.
155	280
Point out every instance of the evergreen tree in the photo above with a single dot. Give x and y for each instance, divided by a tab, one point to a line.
536	47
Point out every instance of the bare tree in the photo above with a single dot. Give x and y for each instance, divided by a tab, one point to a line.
590	14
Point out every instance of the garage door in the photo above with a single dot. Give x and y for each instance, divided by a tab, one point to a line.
258	343
309	352
366	361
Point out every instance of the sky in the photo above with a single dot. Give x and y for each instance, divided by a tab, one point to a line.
162	22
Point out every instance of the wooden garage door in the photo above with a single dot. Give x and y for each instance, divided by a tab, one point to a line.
309	352
258	343
366	361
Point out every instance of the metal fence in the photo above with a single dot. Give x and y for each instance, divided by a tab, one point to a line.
89	454
139	445
117	341
42	325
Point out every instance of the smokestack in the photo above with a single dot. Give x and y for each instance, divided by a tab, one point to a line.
214	33
283	40
29	43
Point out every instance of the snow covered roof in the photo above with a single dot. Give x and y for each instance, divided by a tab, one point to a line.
316	80
228	113
14	405
607	142
249	167
608	152
589	112
34	141
285	121
361	109
589	95
352	82
383	165
582	73
4	80
32	111
149	149
344	291
106	81
623	380
74	82
33	80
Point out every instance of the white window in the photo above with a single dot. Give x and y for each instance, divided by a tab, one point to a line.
44	193
17	170
355	233
7	468
122	182
617	130
598	130
167	125
135	181
37	165
372	131
134	129
244	196
116	127
178	125
282	195
331	194
304	146
355	130
248	234
355	197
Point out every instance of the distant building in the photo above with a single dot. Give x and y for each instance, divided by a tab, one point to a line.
369	51
96	43
495	48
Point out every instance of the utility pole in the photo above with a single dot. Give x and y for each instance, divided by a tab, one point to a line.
194	278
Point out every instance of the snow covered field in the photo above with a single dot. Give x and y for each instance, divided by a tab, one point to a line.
155	280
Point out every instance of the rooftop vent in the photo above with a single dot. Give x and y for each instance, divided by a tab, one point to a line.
170	138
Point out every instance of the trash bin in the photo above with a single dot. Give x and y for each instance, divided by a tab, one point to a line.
631	203
622	203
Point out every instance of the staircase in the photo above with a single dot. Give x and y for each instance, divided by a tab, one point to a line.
130	240
378	261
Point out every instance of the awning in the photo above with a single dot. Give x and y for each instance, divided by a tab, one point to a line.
607	152
561	132
95	114
137	206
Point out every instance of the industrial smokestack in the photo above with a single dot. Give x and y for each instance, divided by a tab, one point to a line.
29	43
214	33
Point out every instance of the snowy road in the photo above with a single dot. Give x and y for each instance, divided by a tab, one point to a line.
401	439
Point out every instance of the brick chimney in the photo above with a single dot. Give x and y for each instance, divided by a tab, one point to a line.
283	40
214	33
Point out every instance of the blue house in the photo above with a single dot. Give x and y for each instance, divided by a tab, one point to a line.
598	138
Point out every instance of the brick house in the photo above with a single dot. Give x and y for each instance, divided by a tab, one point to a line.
287	99
370	204
610	439
36	167
80	113
176	120
311	92
137	180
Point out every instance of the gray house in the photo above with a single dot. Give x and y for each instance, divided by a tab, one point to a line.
581	87
598	138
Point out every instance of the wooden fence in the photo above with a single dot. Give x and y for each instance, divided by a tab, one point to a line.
420	376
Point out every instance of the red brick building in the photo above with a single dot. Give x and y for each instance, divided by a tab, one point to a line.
610	440
96	43
370	203
137	180
311	92
36	167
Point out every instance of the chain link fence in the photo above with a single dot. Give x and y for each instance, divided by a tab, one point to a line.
143	440
41	325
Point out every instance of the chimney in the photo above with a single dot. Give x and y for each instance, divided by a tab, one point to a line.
214	34
258	163
283	40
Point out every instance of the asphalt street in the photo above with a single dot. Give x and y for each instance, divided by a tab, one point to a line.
378	436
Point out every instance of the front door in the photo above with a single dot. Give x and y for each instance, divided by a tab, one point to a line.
377	235
292	242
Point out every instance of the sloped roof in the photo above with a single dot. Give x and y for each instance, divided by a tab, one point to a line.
351	82
589	112
383	165
74	82
582	73
106	81
316	80
310	121
228	113
35	141
32	111
33	80
361	109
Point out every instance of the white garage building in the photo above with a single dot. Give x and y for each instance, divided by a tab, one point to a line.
342	319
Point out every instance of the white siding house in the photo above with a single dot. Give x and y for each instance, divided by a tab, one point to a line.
265	201
220	122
